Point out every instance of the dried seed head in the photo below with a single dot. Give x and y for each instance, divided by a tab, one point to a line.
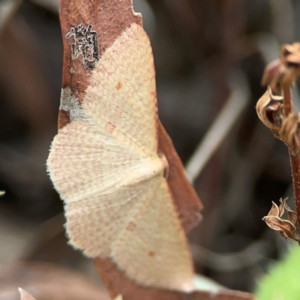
290	63
270	111
290	133
287	228
271	76
282	72
290	58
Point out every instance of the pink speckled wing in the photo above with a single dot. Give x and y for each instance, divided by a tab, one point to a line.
154	250
121	95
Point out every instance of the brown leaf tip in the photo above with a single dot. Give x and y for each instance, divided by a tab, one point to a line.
85	44
287	228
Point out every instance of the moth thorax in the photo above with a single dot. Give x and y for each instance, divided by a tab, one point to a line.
149	168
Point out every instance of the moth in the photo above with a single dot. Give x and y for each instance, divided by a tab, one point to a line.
106	167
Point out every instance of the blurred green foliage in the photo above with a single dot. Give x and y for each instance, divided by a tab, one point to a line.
282	281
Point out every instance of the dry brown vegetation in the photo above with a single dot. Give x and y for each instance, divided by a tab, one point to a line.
209	58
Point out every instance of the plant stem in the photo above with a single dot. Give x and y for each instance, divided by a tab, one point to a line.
295	168
294	159
287	101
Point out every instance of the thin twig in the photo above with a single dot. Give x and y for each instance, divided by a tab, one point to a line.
220	128
295	168
287	101
294	159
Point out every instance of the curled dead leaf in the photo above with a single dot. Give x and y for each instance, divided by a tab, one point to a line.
275	210
290	133
270	111
287	228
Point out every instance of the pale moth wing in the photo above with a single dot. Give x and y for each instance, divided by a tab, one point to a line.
107	170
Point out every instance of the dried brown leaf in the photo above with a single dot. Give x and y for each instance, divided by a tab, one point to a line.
281	206
274	211
111	18
286	228
270	111
117	283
